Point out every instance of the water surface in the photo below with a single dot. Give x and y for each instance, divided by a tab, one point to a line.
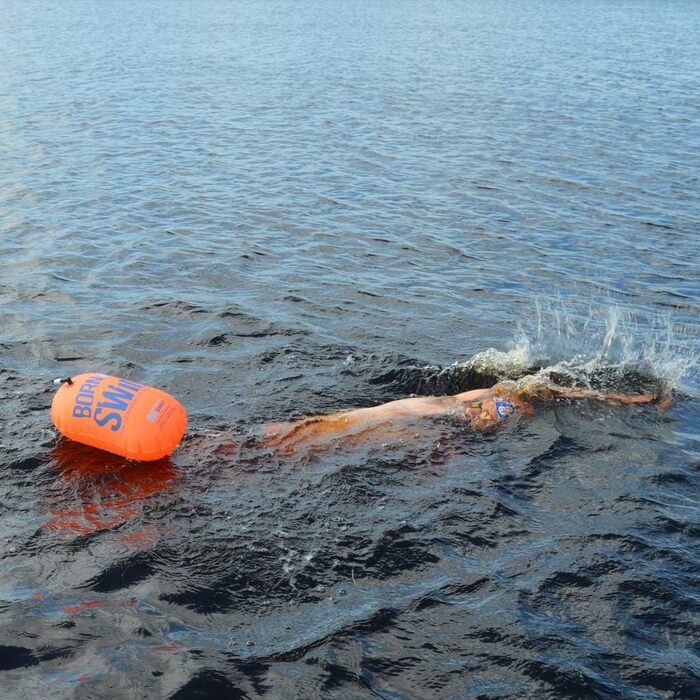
284	208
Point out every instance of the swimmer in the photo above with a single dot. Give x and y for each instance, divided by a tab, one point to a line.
481	409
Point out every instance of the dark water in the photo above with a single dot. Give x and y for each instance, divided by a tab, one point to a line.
282	208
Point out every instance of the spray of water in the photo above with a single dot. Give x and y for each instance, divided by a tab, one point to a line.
600	347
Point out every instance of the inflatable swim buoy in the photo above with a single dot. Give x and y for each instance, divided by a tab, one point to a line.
118	415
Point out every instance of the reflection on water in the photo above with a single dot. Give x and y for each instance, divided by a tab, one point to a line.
280	209
94	490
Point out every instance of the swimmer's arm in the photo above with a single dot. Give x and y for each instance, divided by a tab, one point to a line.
576	393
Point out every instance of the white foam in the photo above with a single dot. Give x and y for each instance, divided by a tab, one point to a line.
577	342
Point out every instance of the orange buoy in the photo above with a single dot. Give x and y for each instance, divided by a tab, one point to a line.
118	415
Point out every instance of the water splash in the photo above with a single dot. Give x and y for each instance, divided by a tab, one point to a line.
600	347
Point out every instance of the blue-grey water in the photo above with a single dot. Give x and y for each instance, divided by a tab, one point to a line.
277	208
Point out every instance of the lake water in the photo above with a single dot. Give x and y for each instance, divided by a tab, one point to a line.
282	208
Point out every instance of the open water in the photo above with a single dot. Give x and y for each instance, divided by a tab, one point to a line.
282	208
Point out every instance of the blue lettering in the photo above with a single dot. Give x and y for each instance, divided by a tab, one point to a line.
118	398
82	408
103	420
115	400
131	386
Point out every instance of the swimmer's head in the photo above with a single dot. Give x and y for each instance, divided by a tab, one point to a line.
481	414
489	412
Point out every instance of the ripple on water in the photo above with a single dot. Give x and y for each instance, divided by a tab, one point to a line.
277	211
